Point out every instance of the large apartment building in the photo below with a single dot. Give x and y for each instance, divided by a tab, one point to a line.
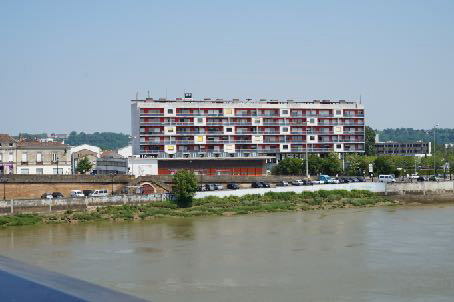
200	133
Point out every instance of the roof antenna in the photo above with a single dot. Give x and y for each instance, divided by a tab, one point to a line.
148	94
360	99
166	93
137	95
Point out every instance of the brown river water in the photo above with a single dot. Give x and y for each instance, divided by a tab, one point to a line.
370	254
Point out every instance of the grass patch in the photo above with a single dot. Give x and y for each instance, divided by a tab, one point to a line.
210	206
20	219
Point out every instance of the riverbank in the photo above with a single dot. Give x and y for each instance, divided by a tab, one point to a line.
209	206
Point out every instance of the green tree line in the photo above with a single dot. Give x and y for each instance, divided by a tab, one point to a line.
104	140
443	135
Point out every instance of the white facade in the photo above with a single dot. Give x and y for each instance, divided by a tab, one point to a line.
45	169
142	166
125	151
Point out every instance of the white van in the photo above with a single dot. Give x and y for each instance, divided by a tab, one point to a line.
386	178
77	193
99	193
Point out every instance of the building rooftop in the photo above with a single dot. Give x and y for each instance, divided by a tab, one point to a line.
38	144
238	101
5	138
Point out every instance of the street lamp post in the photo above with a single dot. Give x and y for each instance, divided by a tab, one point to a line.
433	155
307	155
4	180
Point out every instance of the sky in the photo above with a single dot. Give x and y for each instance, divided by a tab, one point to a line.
75	65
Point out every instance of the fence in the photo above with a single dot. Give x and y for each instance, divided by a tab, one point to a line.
49	205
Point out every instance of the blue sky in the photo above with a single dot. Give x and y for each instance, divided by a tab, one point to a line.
75	65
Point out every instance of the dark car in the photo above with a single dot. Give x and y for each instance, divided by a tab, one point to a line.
265	184
47	196
57	195
421	178
282	183
256	185
307	182
361	179
434	178
343	180
353	179
87	192
233	186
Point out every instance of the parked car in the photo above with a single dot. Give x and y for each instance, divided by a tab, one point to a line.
307	182
282	183
210	187
256	185
265	184
298	182
77	193
361	179
219	187
99	193
87	192
233	186
47	196
434	178
57	195
386	178
421	178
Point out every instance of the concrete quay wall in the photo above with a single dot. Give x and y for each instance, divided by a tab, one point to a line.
44	205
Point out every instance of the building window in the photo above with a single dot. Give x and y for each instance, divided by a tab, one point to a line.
285	129
229	129
169	111
10	144
338	112
338	146
285	111
200	120
11	157
1	157
24	157
39	157
54	157
311	120
285	147
39	171
58	171
24	171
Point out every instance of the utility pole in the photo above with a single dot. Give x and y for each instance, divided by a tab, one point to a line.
307	155
4	180
433	155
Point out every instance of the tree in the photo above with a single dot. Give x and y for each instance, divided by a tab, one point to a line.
385	165
289	166
315	164
331	165
104	140
370	141
184	187
84	166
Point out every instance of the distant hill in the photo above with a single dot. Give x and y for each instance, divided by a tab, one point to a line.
104	140
443	135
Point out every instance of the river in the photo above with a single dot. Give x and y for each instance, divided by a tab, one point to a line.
369	254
